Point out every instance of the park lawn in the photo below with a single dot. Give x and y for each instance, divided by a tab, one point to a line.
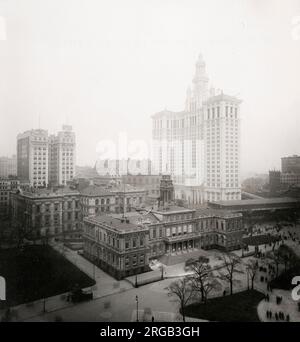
37	272
239	307
257	240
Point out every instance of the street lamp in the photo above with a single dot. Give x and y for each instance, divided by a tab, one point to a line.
137	308
248	278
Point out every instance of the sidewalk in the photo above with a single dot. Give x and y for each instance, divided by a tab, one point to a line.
105	286
287	306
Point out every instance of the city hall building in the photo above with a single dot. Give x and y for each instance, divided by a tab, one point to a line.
122	245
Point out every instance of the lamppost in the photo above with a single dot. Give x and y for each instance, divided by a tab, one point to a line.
162	272
137	308
44	305
247	277
94	259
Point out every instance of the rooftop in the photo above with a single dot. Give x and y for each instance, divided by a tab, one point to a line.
98	190
260	201
222	97
168	113
117	223
209	212
34	193
93	190
170	209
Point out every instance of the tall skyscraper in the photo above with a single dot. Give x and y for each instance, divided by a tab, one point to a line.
43	159
222	148
62	156
32	157
184	142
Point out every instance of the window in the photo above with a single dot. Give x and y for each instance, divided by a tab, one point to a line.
154	233
134	260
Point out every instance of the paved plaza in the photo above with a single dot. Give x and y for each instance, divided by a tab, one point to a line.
116	300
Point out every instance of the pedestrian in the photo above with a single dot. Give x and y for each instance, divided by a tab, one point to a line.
287	317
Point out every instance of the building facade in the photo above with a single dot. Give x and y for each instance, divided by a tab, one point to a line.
6	187
148	182
289	178
43	212
8	166
116	245
100	200
222	148
121	167
153	233
290	164
62	156
184	142
46	160
32	157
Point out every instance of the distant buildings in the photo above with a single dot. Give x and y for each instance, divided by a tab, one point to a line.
6	187
115	199
148	182
32	157
120	167
8	166
289	176
290	164
274	181
44	160
62	156
200	146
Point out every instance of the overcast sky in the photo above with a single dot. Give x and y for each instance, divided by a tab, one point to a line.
106	66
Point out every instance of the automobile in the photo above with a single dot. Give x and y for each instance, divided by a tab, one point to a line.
80	252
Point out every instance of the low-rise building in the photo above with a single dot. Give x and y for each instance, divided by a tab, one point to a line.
148	182
115	199
43	212
7	185
164	230
116	245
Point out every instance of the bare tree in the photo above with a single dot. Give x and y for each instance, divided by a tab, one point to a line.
201	278
183	291
210	284
252	269
231	262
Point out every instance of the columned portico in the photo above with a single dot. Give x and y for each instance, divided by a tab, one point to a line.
181	246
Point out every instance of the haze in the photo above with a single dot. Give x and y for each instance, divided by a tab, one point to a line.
106	66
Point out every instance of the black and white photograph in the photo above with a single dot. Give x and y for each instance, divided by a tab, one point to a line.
150	163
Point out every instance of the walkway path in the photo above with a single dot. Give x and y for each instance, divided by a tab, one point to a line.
287	306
